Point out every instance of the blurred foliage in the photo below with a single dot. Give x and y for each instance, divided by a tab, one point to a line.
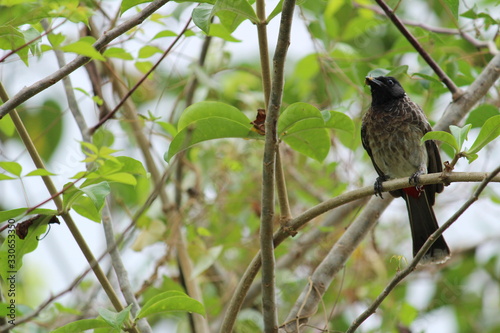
218	186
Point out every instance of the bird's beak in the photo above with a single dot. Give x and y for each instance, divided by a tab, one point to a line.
371	80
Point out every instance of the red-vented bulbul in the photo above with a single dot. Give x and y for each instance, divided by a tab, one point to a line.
391	132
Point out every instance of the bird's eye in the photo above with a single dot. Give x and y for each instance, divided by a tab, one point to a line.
390	82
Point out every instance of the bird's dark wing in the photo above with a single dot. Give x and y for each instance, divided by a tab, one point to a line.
433	165
365	140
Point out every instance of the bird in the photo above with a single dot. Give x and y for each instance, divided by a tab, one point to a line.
391	133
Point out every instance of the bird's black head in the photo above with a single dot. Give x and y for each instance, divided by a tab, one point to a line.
384	89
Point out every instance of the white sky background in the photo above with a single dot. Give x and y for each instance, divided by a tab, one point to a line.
58	260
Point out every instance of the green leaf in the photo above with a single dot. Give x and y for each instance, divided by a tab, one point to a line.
115	319
230	12
86	208
148	51
276	11
471	13
103	137
202	16
303	128
5	177
298	116
117	52
65	309
171	301
12	167
207	110
162	296
143	66
208	129
168	127
7	126
427	77
132	166
453	6
39	120
443	137
479	115
127	4
13	249
398	71
407	314
460	134
165	33
39	172
97	193
207	121
82	325
489	132
206	260
378	72
338	120
84	48
121	177
19	212
56	39
218	30
86	145
239	7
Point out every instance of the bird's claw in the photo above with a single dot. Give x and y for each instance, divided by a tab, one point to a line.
415	179
377	187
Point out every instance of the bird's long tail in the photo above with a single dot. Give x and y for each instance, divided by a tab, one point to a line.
423	224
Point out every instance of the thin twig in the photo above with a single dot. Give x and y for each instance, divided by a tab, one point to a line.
405	272
141	81
120	270
28	92
68	89
263	50
456	92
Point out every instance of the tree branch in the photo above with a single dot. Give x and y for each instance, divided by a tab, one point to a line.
458	109
28	92
269	168
307	303
410	268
